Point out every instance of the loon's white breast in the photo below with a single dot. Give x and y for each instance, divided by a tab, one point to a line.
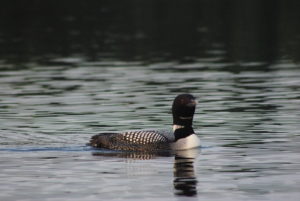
189	142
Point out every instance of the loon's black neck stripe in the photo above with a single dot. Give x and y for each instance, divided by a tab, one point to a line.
183	132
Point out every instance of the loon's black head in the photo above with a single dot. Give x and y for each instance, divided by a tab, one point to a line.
183	109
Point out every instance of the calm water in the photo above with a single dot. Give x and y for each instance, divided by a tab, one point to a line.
248	122
72	69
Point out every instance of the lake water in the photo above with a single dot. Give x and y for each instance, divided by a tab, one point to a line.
72	69
248	122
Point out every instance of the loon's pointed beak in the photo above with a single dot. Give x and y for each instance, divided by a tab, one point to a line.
192	103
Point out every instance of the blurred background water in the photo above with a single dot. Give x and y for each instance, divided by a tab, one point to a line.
72	69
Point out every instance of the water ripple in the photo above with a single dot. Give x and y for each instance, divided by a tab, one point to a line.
248	122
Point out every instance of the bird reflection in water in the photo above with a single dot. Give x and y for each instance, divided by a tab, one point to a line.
134	155
185	181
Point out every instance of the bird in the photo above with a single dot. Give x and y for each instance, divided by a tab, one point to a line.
182	137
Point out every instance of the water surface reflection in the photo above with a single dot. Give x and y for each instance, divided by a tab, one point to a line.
185	179
151	31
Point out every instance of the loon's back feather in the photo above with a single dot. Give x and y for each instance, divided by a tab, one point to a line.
145	140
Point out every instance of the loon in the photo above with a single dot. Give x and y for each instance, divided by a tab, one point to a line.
183	136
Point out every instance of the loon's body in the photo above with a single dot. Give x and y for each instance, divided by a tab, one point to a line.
182	137
149	140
